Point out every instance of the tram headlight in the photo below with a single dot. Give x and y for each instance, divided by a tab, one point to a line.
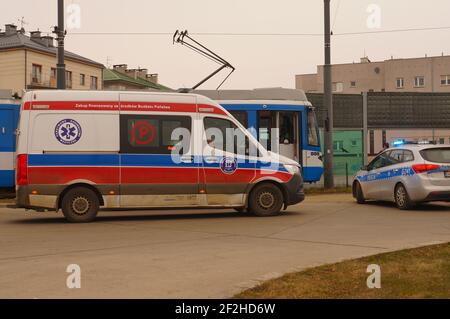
293	169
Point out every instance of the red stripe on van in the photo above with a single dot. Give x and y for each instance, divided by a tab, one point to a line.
124	106
159	175
64	175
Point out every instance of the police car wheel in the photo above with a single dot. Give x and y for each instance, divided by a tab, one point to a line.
359	195
80	205
402	199
266	200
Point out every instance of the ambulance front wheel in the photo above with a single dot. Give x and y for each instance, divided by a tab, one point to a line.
266	200
80	205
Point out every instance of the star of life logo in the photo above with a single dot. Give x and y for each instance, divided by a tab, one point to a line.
68	131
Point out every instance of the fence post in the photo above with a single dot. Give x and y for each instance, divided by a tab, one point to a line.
365	128
346	174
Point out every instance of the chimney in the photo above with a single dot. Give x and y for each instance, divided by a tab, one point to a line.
35	35
152	78
10	29
131	73
47	41
141	73
365	59
122	68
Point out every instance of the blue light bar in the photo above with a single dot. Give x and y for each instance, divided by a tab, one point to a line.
398	142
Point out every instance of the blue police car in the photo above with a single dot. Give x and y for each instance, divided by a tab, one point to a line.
407	174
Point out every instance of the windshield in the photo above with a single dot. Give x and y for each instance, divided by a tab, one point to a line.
313	130
437	155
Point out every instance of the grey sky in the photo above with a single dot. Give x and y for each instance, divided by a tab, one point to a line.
261	61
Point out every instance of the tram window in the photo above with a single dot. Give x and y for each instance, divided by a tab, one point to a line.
313	131
287	128
241	116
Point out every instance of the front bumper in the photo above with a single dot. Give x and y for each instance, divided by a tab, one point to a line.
294	190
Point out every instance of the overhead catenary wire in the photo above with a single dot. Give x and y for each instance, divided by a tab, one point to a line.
230	34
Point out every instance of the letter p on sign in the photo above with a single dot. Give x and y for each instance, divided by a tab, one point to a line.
374	280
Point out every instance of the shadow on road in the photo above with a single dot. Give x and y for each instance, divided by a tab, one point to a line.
149	216
435	206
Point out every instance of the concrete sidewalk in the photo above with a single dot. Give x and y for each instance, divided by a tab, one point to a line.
199	254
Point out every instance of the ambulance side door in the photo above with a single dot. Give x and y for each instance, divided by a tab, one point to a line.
158	168
228	170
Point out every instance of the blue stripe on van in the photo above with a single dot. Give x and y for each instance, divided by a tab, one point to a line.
6	178
132	160
73	160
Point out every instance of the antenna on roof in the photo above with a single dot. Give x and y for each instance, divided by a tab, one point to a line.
22	22
181	37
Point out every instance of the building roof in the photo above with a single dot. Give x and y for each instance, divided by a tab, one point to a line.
113	75
20	40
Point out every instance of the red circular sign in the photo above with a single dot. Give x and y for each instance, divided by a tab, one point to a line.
140	133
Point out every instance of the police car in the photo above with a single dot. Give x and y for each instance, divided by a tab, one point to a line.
407	174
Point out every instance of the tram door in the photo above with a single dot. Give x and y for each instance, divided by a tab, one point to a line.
287	141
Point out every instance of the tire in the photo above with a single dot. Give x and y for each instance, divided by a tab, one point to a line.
266	200
359	195
402	199
80	205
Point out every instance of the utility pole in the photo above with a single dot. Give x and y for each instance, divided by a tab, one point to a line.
60	33
328	102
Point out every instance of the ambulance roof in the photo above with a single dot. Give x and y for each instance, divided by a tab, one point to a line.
85	95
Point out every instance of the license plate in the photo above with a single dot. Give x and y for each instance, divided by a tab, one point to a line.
447	174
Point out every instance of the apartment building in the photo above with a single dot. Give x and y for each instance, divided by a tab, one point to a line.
427	74
29	62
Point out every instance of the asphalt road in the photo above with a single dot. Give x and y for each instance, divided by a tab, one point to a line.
199	254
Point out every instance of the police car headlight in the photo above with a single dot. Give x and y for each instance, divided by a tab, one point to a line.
293	169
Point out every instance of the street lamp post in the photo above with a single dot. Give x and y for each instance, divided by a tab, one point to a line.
328	102
60	33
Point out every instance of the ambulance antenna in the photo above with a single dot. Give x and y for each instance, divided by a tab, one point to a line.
183	38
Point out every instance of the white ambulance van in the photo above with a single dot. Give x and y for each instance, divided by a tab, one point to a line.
81	150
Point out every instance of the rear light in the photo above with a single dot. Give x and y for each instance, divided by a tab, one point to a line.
422	168
22	169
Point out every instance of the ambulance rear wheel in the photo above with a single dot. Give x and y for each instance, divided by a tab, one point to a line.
266	200
80	205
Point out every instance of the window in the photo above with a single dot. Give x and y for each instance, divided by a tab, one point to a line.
338	87
396	156
353	84
287	128
53	73
445	79
224	135
441	140
408	156
94	83
313	129
419	81
82	79
437	155
400	83
241	116
36	73
378	162
69	79
153	134
338	146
